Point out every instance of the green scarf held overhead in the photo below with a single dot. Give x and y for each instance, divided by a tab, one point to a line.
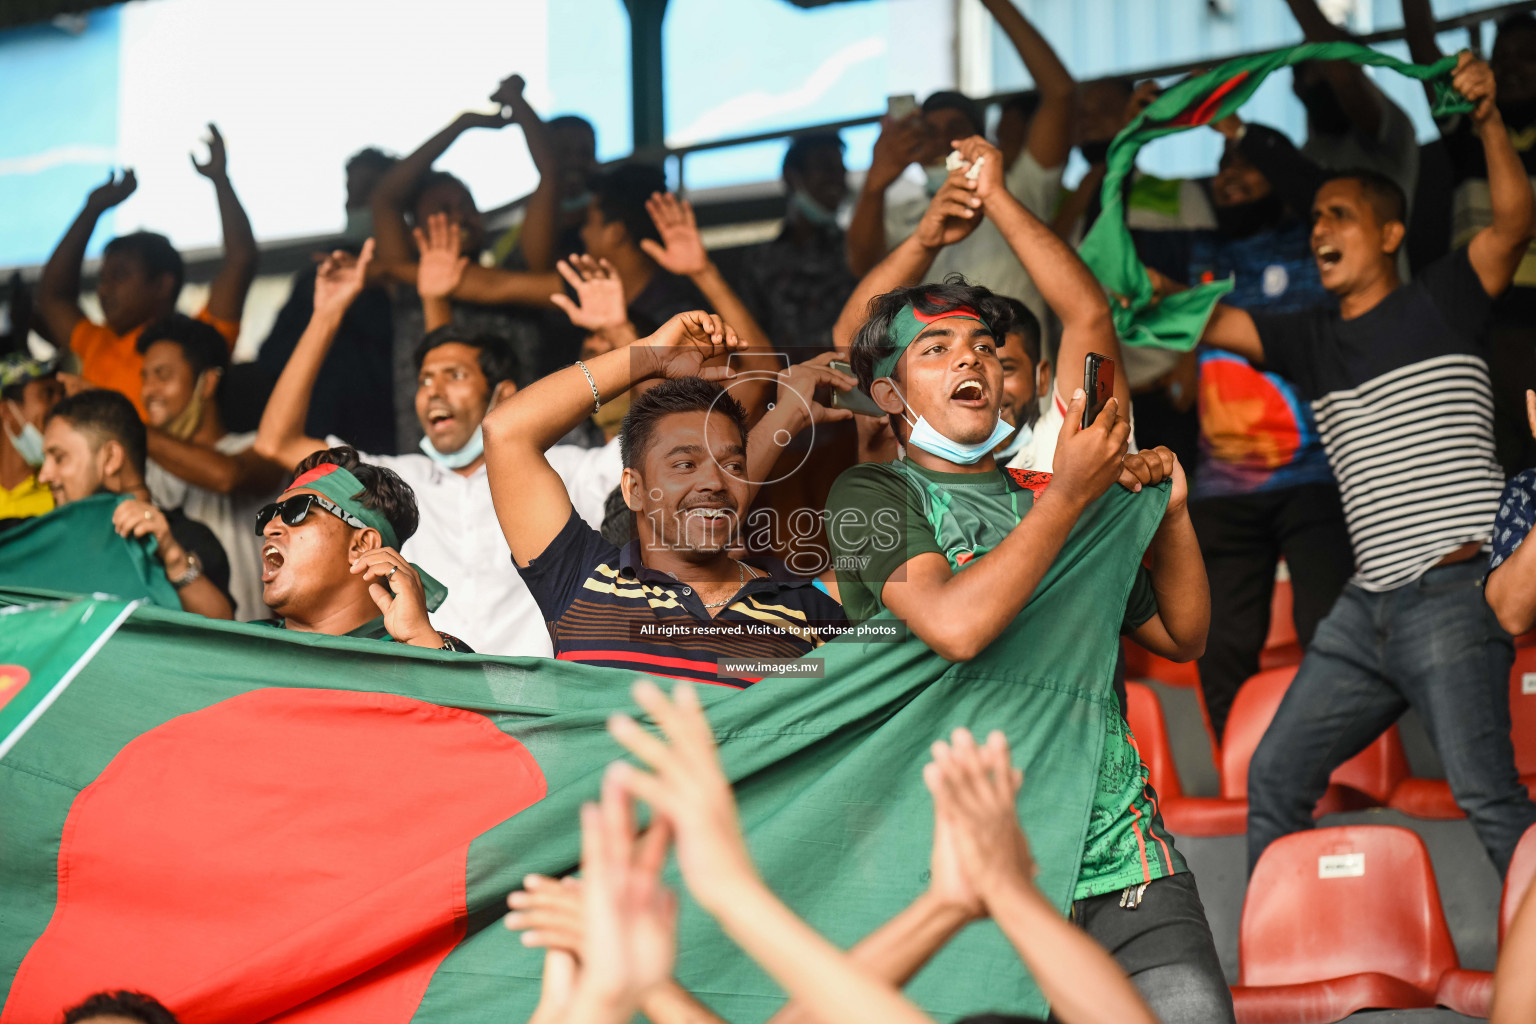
1177	321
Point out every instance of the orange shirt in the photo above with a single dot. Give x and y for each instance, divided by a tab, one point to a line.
110	360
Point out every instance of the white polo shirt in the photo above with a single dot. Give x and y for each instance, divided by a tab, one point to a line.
460	543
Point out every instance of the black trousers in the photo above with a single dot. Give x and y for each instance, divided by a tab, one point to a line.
1243	538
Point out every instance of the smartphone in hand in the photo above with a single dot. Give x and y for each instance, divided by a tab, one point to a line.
855	400
1098	385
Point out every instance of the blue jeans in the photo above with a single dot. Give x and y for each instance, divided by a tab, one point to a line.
1434	645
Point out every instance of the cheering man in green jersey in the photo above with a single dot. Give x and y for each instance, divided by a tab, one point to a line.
927	355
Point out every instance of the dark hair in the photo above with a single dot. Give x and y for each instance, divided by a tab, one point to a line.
618	526
134	1005
565	121
999	1018
1026	103
1385	195
871	342
154	252
383	490
431	180
621	193
201	344
373	157
1026	325
498	360
947	99
1520	21
109	416
802	146
685	394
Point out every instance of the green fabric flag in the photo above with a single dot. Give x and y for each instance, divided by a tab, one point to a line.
254	825
1177	321
75	549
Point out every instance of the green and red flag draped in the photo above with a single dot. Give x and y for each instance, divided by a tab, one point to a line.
1177	321
74	548
255	825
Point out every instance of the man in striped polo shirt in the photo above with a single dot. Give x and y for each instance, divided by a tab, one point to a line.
1398	378
674	600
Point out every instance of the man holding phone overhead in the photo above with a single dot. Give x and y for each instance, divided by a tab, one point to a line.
954	545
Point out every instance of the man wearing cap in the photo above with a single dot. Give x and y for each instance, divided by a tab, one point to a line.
29	389
330	555
881	220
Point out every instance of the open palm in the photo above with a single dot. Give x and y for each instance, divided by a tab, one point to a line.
681	250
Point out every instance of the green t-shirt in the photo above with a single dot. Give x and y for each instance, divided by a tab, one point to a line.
882	515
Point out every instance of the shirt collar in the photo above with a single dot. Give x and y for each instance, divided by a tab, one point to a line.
630	564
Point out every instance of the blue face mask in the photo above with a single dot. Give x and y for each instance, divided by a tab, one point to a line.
28	444
1025	434
472	450
811	210
927	437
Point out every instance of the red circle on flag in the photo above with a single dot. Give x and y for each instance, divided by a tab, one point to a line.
287	854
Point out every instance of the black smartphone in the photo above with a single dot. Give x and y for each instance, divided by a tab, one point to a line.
1098	385
856	400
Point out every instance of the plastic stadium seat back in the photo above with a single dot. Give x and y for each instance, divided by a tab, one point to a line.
1469	993
1141	663
1145	714
1522	709
1369	778
1522	872
1326	1001
1349	900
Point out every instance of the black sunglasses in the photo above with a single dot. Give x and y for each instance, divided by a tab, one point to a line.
295	510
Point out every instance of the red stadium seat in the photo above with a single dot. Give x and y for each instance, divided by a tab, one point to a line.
1141	663
1471	992
1338	920
1366	780
1431	798
1144	714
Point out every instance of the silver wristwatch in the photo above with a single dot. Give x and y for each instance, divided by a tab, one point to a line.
192	575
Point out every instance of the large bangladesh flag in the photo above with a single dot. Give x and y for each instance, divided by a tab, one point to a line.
253	825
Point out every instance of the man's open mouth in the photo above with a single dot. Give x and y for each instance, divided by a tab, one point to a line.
1327	255
971	391
438	417
271	562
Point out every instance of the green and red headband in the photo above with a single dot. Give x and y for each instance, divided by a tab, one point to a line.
342	488
907	324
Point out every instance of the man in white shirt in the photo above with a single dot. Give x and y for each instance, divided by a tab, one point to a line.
459	379
1033	178
213	476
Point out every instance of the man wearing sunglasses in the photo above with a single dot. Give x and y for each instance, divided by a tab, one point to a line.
459	377
330	555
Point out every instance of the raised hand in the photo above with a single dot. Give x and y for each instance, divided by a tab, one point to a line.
396	588
629	919
549	912
803	380
686	787
953	213
681	250
900	143
440	266
340	278
114	191
1473	78
216	169
481	119
1089	460
686	341
984	166
509	93
599	304
974	791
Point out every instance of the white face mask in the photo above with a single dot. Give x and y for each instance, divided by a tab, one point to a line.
927	437
28	444
472	450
